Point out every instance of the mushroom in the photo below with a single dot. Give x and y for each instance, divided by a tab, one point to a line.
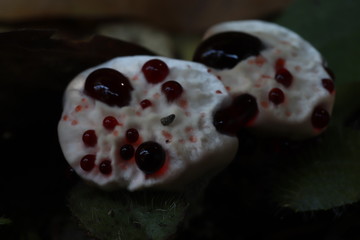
279	82
139	122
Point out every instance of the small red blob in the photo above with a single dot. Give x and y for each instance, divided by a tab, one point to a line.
320	118
145	103
284	77
110	122
276	96
328	84
132	135
78	108
87	163
89	138
280	63
105	167
172	90
218	92
155	70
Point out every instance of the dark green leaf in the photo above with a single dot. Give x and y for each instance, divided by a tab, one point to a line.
127	215
328	174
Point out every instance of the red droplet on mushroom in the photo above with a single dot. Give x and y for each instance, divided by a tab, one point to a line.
127	151
155	70
110	122
150	157
284	77
276	96
109	86
87	163
320	118
328	84
89	138
132	135
239	114
145	103
105	167
172	90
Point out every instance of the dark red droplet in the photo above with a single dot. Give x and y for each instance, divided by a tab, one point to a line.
328	84
127	151
109	86
105	167
241	113
132	135
225	50
276	96
320	118
150	157
110	122
172	90
89	138
87	163
145	103
284	77
155	70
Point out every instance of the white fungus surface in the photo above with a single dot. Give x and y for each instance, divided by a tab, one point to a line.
256	76
192	145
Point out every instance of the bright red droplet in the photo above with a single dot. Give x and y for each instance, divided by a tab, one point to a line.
172	90
110	122
328	84
155	70
87	163
132	135
320	118
145	103
284	77
105	167
276	96
89	138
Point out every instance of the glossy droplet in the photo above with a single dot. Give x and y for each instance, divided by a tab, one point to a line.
227	49
155	70
284	77
172	90
328	84
127	151
132	135
89	138
110	122
105	167
150	157
320	118
145	103
87	163
242	111
276	96
109	86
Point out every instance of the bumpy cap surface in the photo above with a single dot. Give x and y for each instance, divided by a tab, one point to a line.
286	76
139	122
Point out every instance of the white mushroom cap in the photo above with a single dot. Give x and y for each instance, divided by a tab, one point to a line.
308	99
180	129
